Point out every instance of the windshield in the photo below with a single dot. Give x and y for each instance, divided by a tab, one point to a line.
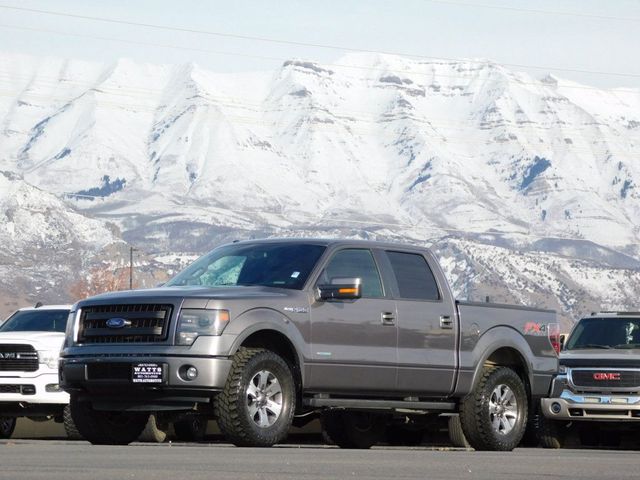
283	265
605	333
36	321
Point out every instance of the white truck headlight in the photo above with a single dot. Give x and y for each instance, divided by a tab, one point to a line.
194	322
49	358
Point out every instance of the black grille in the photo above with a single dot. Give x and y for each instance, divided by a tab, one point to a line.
18	358
147	323
9	388
627	379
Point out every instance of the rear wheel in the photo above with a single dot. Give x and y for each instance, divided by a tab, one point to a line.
105	427
191	428
353	429
494	414
7	426
257	405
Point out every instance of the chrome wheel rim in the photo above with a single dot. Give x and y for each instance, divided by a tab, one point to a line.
503	409
264	399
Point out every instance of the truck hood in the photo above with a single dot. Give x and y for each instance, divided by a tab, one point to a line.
227	293
40	340
600	358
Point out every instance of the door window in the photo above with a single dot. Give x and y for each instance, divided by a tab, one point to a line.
355	263
414	277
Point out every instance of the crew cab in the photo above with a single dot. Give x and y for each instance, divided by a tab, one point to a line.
262	334
30	343
598	383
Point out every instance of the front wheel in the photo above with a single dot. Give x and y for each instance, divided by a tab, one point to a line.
104	427
258	402
7	426
494	414
549	433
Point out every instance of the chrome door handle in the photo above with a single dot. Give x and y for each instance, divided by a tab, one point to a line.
446	322
388	318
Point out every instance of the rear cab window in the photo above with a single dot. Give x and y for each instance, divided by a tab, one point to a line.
413	276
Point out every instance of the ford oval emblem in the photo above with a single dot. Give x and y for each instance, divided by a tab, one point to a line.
117	323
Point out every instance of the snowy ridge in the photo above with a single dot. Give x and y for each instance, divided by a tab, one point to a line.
374	145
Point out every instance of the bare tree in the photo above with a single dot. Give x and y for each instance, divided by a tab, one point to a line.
100	280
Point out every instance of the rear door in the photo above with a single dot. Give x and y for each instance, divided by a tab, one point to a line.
353	341
427	326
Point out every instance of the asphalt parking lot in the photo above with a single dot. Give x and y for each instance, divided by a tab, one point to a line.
57	459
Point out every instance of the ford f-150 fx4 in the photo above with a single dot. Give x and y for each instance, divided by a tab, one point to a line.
598	379
261	334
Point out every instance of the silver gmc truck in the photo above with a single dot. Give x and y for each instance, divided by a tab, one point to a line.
264	334
598	380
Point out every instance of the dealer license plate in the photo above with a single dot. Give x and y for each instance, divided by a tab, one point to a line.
146	373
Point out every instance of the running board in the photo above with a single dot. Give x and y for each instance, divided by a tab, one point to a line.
378	404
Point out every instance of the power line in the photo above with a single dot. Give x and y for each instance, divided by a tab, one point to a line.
307	44
535	10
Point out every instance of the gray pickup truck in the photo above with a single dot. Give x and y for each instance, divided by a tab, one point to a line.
263	334
598	384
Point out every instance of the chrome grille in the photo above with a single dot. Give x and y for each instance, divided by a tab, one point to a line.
628	380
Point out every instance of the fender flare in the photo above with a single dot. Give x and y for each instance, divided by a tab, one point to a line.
495	339
267	319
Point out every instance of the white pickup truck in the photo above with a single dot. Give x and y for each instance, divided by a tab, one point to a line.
30	342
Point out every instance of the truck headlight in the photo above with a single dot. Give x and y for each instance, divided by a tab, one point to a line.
195	322
50	358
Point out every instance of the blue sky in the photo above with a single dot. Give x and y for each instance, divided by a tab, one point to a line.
439	28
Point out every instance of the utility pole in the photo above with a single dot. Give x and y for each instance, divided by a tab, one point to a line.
131	250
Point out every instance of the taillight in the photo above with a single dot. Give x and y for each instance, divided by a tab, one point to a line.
553	330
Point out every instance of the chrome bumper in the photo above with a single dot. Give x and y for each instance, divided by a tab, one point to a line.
571	406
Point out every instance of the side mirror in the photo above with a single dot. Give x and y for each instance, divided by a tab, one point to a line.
341	289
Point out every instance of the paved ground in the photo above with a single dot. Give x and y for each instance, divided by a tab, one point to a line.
55	459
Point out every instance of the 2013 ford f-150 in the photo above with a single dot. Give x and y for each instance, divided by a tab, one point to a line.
261	334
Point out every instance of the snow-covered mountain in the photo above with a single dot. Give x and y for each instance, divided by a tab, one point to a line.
500	165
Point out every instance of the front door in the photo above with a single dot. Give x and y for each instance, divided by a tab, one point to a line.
353	342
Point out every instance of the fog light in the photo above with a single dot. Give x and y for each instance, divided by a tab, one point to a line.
52	387
28	389
192	373
556	407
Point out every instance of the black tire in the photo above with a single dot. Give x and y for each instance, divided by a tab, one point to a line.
69	425
549	433
243	411
191	428
456	434
7	426
155	431
353	429
106	428
501	429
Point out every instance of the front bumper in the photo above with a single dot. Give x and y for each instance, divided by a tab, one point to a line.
32	388
107	382
570	406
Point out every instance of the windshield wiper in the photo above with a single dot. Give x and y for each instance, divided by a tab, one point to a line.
590	345
628	345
